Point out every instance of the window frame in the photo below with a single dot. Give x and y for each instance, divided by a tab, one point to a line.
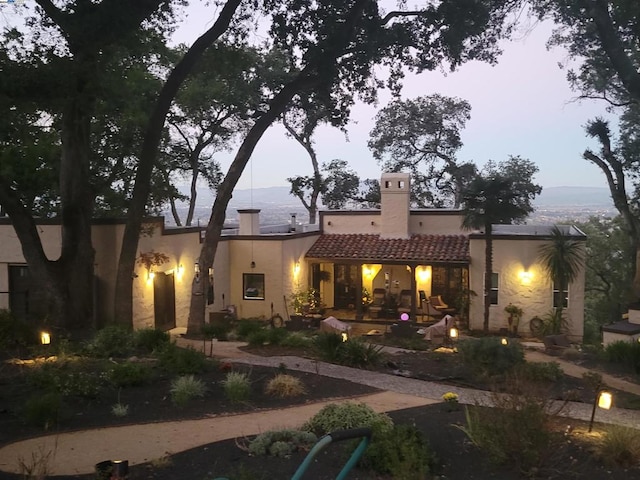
253	281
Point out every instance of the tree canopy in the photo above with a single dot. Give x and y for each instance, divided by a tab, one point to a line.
422	136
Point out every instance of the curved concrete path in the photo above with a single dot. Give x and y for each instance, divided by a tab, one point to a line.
78	452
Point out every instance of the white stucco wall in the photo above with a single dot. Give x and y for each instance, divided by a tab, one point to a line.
510	258
610	337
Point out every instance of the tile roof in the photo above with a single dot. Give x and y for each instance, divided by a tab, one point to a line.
372	248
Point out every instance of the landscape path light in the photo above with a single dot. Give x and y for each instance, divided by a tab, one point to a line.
45	338
603	400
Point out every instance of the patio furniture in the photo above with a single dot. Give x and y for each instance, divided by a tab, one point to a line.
440	330
377	301
404	303
438	303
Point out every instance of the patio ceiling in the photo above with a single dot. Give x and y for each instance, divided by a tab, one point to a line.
368	248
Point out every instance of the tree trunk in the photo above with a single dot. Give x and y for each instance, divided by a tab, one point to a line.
216	221
124	282
488	274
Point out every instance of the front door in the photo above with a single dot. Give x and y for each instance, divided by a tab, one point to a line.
164	301
346	278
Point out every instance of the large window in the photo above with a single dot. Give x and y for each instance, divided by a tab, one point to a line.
560	296
253	286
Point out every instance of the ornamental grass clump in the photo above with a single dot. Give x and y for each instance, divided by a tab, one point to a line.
186	388
619	446
285	386
237	387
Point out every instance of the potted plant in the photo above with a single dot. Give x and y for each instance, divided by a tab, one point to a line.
515	312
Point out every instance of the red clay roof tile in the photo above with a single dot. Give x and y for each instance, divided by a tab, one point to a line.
422	248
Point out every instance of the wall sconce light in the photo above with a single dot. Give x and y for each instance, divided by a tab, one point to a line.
45	338
211	273
296	269
372	222
603	400
179	270
423	274
367	271
525	277
150	276
196	270
329	223
253	264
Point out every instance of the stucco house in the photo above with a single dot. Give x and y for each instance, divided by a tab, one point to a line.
409	255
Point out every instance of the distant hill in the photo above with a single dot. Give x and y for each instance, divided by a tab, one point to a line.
570	196
554	204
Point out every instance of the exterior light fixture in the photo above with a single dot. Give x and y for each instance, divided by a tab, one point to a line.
404	317
504	341
196	270
296	269
180	270
453	333
253	264
345	336
45	338
603	400
525	277
150	276
424	274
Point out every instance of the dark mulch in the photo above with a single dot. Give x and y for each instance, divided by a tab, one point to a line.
457	457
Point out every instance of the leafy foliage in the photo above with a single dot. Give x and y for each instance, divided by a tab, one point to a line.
345	416
130	374
619	446
111	341
281	443
182	361
150	339
43	410
285	386
624	353
488	356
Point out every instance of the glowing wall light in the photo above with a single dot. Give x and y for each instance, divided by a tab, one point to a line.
525	277
423	274
150	276
296	269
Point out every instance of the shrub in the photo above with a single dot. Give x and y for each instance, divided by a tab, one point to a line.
186	388
257	338
43	410
620	446
111	341
327	344
150	339
219	331
276	336
281	443
542	371
237	387
401	452
553	323
67	379
345	416
182	361
297	340
285	386
624	353
120	410
130	374
360	354
488	356
517	430
246	327
15	333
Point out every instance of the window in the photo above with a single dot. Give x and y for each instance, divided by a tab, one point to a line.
493	294
560	296
253	286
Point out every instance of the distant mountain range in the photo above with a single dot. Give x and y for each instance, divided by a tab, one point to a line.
276	204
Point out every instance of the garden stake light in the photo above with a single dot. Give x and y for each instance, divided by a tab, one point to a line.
603	400
45	338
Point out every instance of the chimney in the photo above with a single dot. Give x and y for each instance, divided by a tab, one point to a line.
395	195
249	221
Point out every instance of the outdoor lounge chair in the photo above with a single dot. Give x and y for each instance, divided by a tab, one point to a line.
404	303
437	302
377	301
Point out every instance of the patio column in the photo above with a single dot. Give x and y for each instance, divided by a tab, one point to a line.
359	314
414	289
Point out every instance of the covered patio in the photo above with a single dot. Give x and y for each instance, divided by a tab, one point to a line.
366	277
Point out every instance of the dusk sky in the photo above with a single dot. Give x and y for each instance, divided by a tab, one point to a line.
522	106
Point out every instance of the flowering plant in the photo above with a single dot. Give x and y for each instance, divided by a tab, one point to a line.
450	397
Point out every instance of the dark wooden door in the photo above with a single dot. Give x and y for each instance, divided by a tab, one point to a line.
164	301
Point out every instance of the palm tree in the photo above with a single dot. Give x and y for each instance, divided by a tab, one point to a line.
494	199
562	258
